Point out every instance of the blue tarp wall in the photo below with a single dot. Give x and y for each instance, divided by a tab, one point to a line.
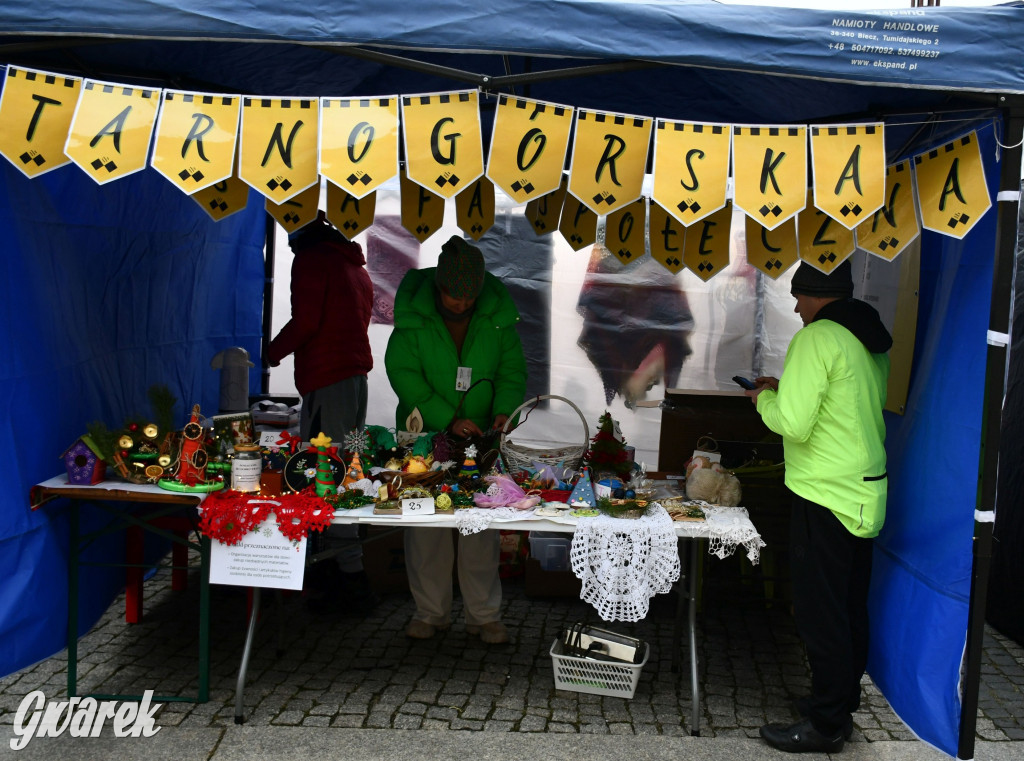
105	291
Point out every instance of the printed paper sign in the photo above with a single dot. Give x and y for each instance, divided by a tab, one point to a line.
419	506
264	558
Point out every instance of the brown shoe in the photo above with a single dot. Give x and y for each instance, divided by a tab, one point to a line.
420	630
492	633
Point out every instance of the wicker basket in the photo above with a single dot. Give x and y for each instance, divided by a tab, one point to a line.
521	457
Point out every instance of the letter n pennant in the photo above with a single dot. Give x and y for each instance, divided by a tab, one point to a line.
112	129
894	226
770	172
278	145
195	138
849	170
35	115
951	187
443	143
609	158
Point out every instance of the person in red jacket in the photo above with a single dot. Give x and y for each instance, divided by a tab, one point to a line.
332	297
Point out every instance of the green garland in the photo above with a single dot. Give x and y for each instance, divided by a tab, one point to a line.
620	508
349	499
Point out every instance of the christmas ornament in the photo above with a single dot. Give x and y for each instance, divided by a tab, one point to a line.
469	468
324	480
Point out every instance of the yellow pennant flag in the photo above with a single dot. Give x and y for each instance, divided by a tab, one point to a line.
36	109
770	172
195	138
624	232
849	170
895	226
543	212
691	168
278	145
951	187
474	208
349	214
443	142
706	248
667	236
771	251
609	158
297	212
822	242
359	142
578	224
528	146
224	198
422	211
112	129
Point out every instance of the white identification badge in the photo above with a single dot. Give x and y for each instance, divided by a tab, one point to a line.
463	378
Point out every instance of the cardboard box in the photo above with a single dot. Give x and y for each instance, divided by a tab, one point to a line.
689	416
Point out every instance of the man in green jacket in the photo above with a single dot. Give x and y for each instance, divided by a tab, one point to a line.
828	409
455	356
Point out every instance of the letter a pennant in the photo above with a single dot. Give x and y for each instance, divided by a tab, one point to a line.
894	226
278	145
195	138
951	187
770	172
443	144
474	208
609	158
691	168
528	146
849	170
296	212
349	214
112	129
35	115
359	142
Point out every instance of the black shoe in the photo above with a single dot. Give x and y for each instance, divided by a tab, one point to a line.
803	708
801	737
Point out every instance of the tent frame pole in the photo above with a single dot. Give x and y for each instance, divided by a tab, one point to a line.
995	374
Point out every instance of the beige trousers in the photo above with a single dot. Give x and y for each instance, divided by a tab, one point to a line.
429	554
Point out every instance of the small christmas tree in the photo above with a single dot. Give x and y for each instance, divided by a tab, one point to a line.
607	454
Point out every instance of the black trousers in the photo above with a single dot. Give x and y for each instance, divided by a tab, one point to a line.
831	574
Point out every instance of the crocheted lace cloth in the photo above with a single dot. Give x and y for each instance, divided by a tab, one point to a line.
624	563
726	527
473	520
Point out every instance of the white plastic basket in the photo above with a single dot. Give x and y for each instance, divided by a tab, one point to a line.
594	677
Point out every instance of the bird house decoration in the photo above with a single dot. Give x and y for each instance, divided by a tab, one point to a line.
84	464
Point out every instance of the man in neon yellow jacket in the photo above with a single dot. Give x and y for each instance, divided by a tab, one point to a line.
456	357
828	409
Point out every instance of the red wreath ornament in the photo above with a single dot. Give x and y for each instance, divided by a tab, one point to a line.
300	513
229	515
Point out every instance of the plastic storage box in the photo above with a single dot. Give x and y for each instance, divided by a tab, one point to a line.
551	550
595	677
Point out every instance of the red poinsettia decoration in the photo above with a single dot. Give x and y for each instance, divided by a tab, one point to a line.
229	515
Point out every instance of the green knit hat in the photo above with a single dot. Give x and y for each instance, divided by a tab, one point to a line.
460	269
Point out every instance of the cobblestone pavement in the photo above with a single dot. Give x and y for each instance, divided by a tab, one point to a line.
362	672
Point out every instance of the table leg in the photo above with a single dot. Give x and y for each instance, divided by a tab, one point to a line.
73	531
134	542
694	686
204	619
246	651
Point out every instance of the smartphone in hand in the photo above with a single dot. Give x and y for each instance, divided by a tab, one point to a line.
746	383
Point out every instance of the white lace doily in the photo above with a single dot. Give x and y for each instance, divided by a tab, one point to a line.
624	563
473	520
726	527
